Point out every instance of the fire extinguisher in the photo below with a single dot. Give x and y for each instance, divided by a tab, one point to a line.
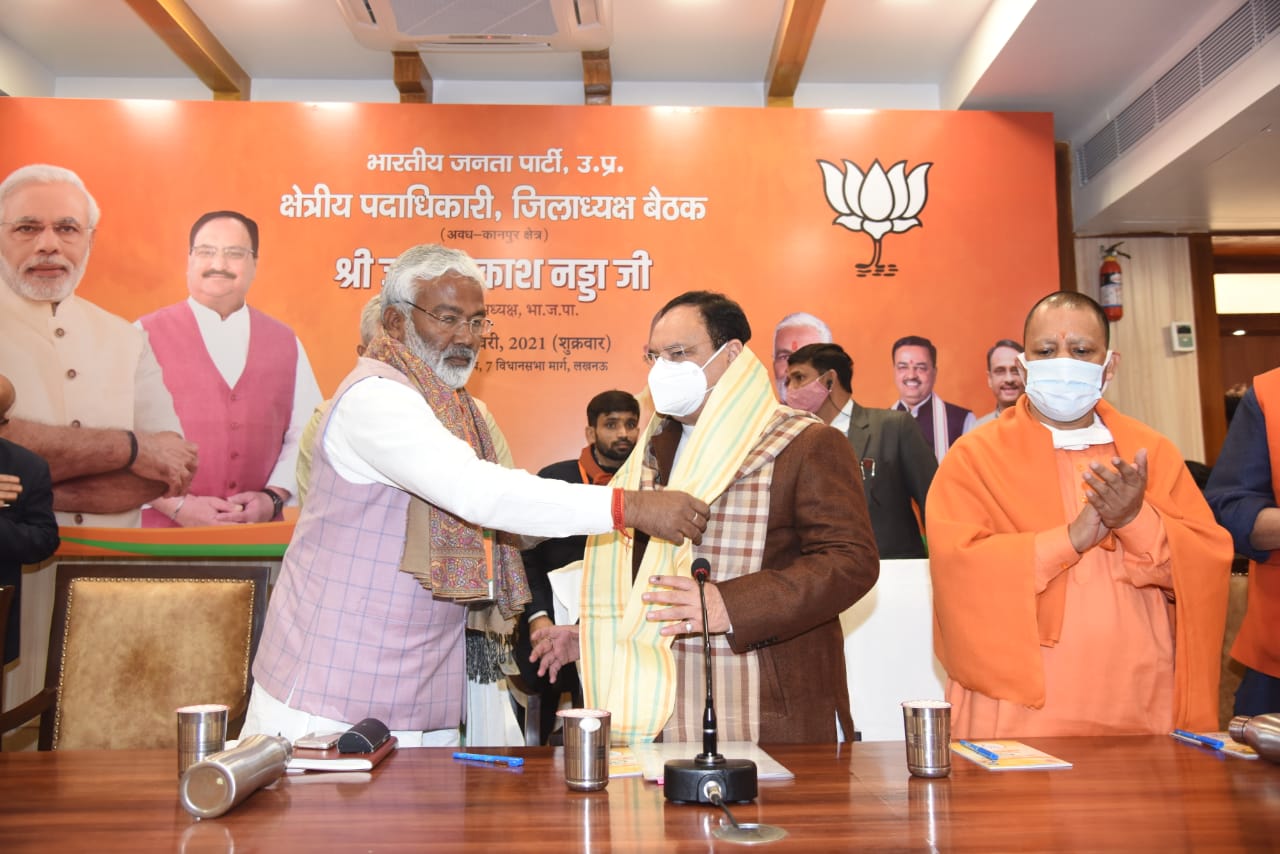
1110	281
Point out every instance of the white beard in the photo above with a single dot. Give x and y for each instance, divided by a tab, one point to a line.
453	377
40	292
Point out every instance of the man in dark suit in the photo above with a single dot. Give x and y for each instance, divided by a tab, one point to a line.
28	529
613	424
897	465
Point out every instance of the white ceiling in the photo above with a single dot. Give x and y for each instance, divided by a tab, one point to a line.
1082	60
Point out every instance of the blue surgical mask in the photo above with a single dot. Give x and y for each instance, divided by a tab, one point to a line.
1064	389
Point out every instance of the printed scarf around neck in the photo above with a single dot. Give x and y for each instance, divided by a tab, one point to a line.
627	666
449	556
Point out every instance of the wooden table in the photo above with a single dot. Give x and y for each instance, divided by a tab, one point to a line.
1130	794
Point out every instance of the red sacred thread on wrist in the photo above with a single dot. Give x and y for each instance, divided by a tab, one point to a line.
618	524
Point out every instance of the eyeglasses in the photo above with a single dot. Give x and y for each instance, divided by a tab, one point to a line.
228	253
674	353
66	230
477	325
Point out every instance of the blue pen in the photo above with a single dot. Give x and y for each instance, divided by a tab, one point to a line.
981	751
512	761
1216	744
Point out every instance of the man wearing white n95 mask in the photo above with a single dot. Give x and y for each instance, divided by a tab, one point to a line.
789	543
1079	579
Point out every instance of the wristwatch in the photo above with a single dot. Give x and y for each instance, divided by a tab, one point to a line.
277	503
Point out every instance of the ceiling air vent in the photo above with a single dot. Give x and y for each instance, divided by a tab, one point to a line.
1097	153
1177	86
1243	32
1226	45
1268	12
480	25
1136	121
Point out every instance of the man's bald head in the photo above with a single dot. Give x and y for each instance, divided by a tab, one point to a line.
1073	300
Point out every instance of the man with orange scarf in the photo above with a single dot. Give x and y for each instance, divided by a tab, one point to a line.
613	425
1242	492
1079	578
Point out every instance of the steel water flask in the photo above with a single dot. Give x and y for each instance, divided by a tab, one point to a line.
1261	732
221	780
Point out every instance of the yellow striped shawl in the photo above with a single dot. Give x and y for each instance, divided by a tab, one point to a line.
627	666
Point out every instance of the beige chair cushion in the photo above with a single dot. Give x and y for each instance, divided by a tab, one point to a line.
134	650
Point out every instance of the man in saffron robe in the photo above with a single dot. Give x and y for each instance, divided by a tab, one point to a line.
1079	579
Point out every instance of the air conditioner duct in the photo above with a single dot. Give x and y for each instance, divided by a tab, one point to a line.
480	25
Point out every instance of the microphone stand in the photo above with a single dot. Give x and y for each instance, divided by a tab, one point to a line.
708	778
709	755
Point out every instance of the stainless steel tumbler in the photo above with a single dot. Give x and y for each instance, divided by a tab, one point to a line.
586	748
928	729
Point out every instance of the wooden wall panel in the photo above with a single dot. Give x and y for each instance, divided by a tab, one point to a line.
1153	384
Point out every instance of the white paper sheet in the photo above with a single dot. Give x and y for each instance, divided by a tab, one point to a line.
566	587
653	756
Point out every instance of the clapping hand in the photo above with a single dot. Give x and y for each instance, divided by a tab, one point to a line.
1117	493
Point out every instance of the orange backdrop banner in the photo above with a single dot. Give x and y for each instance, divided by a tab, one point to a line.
586	221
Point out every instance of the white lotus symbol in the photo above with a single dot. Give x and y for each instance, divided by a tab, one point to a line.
876	202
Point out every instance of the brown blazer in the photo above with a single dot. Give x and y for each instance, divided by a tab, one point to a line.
819	558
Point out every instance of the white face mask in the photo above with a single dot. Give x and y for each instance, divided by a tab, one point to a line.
1064	389
678	388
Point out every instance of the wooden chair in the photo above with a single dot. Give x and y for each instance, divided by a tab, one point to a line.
130	643
7	592
531	703
23	712
1232	670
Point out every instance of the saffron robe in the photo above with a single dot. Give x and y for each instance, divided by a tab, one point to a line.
1007	586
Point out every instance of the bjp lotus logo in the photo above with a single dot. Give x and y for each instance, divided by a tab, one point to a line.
876	202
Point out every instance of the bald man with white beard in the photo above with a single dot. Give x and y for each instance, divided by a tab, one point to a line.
407	515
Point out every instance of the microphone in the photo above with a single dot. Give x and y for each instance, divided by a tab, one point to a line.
708	778
701	570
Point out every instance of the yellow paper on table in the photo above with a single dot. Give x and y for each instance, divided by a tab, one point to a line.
1231	746
1010	756
623	762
